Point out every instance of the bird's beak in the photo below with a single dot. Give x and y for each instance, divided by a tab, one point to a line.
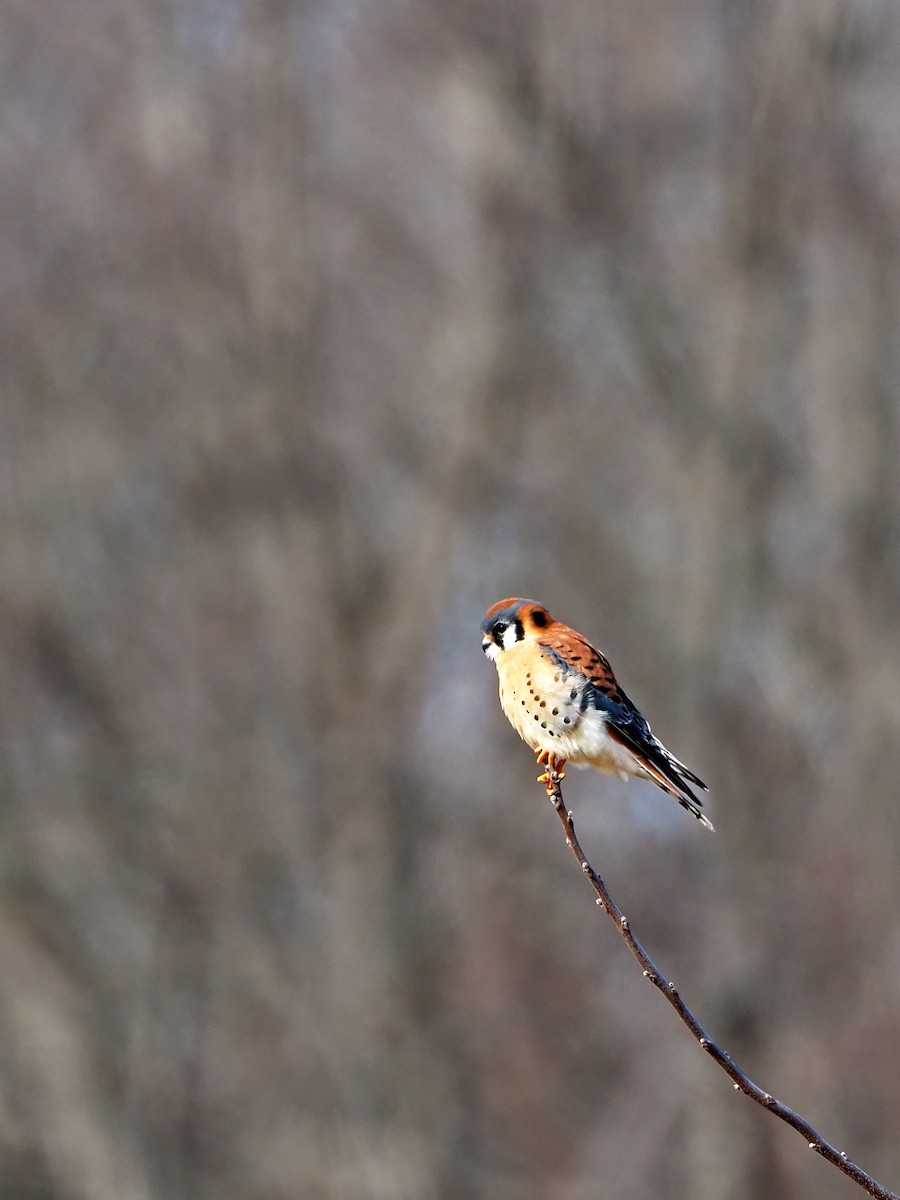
485	642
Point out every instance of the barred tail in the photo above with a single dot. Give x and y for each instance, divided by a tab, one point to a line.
664	769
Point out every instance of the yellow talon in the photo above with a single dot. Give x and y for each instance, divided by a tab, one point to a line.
542	756
545	778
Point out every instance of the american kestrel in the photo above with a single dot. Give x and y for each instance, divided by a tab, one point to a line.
561	697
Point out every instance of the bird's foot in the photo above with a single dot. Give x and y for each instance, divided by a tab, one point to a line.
554	773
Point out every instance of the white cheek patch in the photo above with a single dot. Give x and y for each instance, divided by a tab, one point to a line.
509	637
492	650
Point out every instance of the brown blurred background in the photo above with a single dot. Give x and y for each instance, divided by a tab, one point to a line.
324	326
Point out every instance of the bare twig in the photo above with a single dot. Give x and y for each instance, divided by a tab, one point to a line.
742	1083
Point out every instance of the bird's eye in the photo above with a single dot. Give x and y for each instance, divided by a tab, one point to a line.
500	628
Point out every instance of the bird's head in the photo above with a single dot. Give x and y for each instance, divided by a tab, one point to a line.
509	622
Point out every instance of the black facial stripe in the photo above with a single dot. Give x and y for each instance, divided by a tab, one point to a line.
520	630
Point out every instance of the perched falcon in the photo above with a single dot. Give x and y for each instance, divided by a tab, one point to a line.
561	697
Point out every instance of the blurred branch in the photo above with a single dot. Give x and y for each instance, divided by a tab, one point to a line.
742	1083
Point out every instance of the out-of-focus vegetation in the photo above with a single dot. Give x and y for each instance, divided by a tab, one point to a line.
324	326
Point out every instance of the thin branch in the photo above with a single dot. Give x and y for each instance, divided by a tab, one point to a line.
742	1083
